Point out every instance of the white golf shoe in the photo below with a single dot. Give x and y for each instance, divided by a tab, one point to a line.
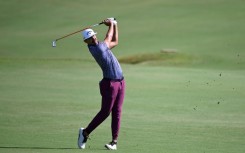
81	142
111	146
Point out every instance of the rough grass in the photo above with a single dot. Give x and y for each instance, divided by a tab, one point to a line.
162	57
180	59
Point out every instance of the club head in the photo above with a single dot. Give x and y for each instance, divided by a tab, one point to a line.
54	44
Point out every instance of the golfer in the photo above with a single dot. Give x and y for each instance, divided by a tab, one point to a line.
112	86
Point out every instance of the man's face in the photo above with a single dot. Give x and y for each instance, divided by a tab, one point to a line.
91	40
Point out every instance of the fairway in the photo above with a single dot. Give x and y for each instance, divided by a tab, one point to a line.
183	64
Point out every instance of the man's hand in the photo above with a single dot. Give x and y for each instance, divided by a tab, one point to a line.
108	22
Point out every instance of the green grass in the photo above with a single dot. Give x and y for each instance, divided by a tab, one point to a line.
43	103
190	100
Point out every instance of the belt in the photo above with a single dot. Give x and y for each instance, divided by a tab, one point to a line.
114	80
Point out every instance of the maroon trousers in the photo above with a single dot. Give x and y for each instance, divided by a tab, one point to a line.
112	93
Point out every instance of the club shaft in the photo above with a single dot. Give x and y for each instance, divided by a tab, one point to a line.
78	31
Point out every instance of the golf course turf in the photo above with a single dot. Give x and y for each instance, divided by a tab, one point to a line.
183	62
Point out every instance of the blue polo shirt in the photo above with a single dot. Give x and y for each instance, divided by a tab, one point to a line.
106	60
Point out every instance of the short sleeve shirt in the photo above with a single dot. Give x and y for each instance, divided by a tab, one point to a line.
106	60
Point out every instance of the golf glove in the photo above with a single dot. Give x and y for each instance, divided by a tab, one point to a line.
113	20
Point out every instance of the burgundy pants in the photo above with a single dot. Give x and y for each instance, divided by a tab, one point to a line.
112	93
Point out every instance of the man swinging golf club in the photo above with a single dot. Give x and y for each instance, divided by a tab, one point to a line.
112	86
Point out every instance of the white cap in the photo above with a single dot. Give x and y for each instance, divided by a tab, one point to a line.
88	33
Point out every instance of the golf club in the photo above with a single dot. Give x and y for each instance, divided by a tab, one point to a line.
54	42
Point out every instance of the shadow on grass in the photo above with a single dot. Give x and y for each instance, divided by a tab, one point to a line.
35	148
48	148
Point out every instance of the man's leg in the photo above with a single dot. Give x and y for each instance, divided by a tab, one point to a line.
117	110
108	93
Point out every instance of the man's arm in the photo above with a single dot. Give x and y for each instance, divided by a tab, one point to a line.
115	35
111	38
